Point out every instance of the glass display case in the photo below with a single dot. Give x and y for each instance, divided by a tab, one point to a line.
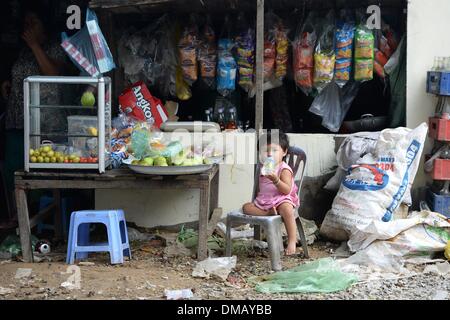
68	130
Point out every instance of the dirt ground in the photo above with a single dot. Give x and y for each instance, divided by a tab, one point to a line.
151	272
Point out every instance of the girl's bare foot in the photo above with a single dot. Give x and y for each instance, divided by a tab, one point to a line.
291	249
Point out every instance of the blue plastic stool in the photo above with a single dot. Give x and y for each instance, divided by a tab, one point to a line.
79	246
66	203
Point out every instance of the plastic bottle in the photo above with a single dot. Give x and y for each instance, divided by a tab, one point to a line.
208	116
231	123
221	119
268	167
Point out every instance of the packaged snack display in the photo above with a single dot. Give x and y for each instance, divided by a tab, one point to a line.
364	54
344	51
363	69
364	43
187	50
282	44
303	56
137	102
325	57
226	68
245	53
208	55
269	58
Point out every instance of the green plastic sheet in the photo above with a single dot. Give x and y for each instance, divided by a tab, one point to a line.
320	276
12	244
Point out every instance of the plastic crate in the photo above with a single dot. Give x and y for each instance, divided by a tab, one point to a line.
441	169
439	129
439	203
438	83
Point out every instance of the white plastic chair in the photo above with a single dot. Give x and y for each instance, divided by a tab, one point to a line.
272	224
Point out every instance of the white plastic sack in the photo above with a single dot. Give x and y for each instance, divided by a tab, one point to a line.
350	151
386	247
375	187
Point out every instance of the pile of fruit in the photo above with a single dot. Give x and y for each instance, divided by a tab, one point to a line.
46	154
181	159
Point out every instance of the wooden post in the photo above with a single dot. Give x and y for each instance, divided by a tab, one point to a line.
202	250
259	103
24	224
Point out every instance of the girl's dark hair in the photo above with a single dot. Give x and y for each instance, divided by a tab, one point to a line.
277	137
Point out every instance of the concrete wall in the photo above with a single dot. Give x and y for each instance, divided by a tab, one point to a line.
427	25
151	208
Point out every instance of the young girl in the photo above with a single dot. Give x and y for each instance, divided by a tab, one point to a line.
277	190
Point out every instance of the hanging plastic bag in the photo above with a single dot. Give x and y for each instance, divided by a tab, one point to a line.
345	32
325	57
303	55
364	53
187	50
245	53
282	45
208	55
333	103
88	48
227	66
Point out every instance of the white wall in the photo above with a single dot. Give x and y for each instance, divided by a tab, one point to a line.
428	23
151	208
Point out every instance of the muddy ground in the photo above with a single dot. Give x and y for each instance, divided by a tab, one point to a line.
151	272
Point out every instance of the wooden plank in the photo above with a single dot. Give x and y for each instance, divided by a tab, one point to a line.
202	251
24	224
115	184
259	100
215	218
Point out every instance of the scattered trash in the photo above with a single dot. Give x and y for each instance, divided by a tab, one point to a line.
342	251
86	263
12	244
442	269
189	238
220	267
23	273
386	246
135	235
43	246
311	230
178	294
440	295
242	232
5	291
165	277
5	255
320	276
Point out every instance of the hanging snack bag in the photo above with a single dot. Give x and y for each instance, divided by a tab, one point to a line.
187	51
137	102
226	68
303	56
208	55
344	52
364	69
245	53
282	44
269	58
325	57
364	54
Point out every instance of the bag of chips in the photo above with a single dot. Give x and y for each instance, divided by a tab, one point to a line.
303	55
363	69
344	51
364	43
187	50
325	57
207	55
282	44
245	53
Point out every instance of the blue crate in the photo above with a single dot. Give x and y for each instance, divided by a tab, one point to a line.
439	203
438	83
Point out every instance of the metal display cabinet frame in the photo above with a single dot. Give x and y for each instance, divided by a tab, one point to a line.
32	126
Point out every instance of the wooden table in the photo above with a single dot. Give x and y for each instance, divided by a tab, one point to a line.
207	182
